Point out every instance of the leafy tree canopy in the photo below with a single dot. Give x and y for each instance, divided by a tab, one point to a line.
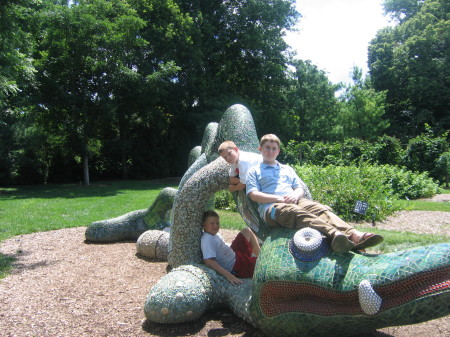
411	61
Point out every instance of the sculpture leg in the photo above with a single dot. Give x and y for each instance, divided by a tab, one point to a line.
131	225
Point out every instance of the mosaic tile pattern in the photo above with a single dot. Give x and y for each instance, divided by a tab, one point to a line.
347	294
153	244
209	142
194	154
308	245
188	291
191	201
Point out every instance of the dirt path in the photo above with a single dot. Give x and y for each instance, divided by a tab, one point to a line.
61	286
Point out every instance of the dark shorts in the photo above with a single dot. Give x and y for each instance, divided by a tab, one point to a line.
244	266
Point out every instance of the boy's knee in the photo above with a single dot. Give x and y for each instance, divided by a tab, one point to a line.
313	207
247	233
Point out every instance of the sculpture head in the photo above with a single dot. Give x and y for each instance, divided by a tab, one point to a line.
322	293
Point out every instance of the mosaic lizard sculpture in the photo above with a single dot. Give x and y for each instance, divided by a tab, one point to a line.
300	286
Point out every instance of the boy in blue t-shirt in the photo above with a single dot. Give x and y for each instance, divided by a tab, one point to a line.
276	188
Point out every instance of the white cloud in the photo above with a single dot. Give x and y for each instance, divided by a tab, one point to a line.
335	34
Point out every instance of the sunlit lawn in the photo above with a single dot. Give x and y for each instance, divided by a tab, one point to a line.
28	209
421	205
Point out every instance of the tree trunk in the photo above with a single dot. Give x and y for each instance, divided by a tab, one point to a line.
124	165
86	170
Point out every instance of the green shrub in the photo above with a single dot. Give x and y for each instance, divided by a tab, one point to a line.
423	152
341	186
292	152
407	184
379	186
355	150
224	200
443	168
387	150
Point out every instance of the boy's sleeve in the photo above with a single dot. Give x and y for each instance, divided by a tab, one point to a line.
252	181
208	249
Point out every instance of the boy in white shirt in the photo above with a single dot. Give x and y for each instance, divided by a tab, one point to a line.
240	162
235	261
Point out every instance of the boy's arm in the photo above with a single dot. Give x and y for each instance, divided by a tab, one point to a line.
235	184
237	187
255	193
222	271
234	180
265	198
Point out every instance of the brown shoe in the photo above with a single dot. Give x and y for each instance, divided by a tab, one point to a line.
341	244
367	240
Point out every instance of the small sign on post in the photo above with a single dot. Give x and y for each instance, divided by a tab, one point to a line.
361	207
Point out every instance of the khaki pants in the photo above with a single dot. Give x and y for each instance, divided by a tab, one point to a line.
307	213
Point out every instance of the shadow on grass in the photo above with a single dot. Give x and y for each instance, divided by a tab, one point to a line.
96	189
5	264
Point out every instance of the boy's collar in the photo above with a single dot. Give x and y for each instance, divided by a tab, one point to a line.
276	164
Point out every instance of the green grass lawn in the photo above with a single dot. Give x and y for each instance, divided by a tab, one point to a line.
420	205
29	209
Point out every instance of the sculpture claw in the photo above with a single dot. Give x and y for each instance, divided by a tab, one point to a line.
369	300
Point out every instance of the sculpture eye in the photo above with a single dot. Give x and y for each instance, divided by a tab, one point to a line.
308	245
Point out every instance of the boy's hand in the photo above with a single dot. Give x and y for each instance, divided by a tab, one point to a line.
234	280
291	198
294	197
225	273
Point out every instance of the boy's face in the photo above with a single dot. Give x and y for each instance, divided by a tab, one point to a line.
230	154
211	225
269	152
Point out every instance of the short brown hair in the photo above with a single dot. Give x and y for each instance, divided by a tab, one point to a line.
209	213
228	144
270	138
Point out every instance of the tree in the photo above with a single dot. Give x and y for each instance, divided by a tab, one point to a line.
424	153
237	54
115	78
411	62
362	109
16	76
311	108
15	48
401	10
228	52
82	59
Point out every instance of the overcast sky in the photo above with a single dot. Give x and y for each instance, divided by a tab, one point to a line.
335	34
